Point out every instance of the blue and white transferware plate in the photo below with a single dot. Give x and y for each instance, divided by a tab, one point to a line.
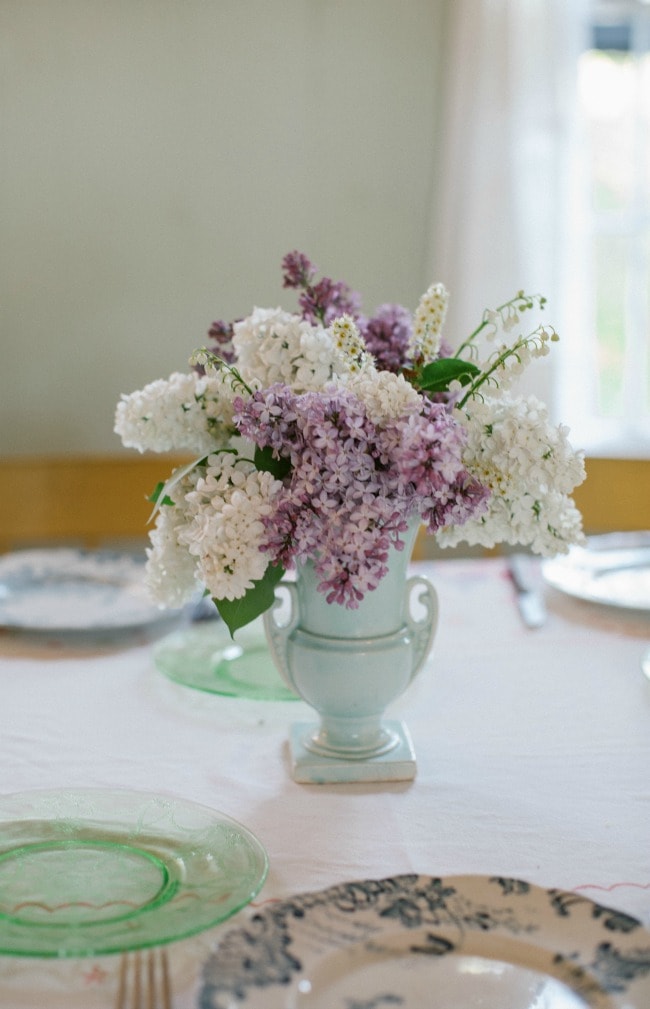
66	590
444	943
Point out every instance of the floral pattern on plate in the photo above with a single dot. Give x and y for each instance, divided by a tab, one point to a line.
67	590
392	942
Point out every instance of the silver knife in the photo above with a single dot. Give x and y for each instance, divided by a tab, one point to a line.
529	598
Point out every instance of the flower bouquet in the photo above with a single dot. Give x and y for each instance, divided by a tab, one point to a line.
323	434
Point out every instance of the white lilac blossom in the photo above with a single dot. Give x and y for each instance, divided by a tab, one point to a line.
224	527
530	469
274	346
186	412
321	435
171	576
211	531
385	396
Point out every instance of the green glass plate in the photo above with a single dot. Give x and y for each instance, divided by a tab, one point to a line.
87	872
205	657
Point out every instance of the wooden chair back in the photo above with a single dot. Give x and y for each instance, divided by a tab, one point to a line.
92	501
86	501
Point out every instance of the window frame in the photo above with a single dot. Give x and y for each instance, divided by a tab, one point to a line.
622	26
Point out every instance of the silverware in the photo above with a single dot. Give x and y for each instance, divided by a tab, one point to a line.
144	981
529	599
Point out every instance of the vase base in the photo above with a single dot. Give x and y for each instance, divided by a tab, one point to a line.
308	767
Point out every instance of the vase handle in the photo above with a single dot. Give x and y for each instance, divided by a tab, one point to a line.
277	634
423	629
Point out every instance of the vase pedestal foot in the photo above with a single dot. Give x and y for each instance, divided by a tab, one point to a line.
307	767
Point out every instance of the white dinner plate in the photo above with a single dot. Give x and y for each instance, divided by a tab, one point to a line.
67	590
442	943
613	570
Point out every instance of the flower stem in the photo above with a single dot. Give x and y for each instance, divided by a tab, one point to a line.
521	301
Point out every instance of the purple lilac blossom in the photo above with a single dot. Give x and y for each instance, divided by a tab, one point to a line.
430	468
298	270
321	302
387	336
445	349
353	485
328	299
222	333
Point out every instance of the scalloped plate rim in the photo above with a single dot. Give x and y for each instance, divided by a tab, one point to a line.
256	992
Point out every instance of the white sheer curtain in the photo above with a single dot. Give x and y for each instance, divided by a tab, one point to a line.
502	195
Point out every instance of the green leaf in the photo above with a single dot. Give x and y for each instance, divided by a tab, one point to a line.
237	613
159	488
437	375
266	462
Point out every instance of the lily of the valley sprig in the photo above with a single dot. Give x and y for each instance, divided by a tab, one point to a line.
322	434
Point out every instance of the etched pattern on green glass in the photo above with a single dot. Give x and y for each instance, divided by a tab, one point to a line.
92	871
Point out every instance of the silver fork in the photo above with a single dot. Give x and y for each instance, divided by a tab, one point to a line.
144	981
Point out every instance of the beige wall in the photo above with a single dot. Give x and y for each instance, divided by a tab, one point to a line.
158	158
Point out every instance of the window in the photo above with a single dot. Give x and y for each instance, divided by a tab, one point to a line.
614	111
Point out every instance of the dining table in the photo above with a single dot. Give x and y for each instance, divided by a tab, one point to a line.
532	762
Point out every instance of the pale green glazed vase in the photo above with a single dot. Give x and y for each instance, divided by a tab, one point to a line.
349	665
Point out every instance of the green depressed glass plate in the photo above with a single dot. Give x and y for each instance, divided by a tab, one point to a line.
87	872
205	657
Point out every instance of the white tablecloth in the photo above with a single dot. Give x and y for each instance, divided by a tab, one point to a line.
533	752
